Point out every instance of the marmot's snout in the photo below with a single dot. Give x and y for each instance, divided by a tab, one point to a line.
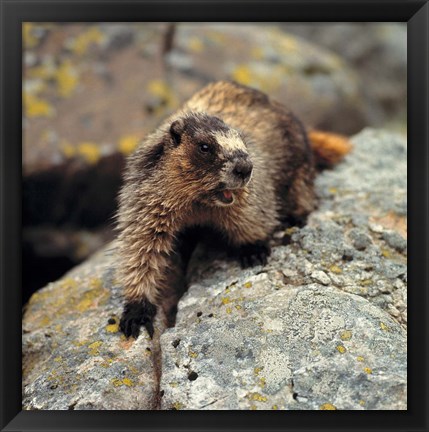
236	176
243	169
238	172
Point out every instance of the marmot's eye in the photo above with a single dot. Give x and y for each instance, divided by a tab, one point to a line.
204	147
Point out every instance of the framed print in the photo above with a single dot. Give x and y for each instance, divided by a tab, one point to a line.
212	206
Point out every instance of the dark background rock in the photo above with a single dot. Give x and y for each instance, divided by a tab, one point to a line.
377	52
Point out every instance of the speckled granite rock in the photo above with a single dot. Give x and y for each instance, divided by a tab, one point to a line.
321	326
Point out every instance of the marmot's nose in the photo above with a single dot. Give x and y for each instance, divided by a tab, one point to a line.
243	169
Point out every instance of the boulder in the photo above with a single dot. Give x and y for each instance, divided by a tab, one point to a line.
377	52
321	326
74	357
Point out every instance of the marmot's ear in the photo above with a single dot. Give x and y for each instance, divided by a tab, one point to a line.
176	130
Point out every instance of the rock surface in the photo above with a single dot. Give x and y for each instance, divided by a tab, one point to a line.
85	99
321	326
73	356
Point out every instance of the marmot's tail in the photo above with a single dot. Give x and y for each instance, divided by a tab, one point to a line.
328	148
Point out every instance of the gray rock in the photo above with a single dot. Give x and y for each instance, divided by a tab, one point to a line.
378	54
320	276
308	347
359	239
321	326
72	357
269	338
395	240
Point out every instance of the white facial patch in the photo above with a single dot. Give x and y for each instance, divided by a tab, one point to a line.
230	140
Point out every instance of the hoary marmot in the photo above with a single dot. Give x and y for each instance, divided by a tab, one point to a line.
231	159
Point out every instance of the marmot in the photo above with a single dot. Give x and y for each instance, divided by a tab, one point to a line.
230	159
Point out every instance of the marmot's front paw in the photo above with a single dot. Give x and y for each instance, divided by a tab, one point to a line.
135	315
254	253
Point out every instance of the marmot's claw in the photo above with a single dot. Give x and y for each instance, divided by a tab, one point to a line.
135	315
254	254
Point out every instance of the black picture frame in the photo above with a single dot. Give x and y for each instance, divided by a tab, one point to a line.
14	12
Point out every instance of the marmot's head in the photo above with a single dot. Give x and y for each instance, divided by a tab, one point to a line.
211	158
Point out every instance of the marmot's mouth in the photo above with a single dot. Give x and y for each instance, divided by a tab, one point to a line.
226	196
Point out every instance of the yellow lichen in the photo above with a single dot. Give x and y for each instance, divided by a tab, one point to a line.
332	190
287	43
68	284
368	370
93	297
360	359
248	285
67	79
58	359
247	75
192	354
257	397
262	382
81	43
226	300
94	348
112	328
228	310
242	74
346	335
44	321
366	282
128	143
161	89
257	370
386	253
327	406
195	44
80	343
133	369
43	72
274	407
89	151
335	269
289	231
68	149
238	307
29	40
128	382
178	405
36	107
341	349
106	363
174	384
384	326
362	402
217	37
116	382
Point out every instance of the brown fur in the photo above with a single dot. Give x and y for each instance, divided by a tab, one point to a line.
169	185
